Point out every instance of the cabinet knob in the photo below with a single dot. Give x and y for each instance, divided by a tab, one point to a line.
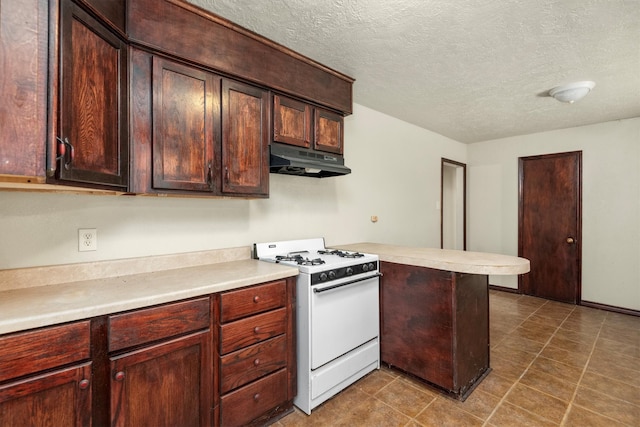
256	299
256	396
256	329
256	362
119	376
84	384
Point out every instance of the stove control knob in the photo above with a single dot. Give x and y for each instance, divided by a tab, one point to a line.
323	277
349	271
365	267
371	266
332	275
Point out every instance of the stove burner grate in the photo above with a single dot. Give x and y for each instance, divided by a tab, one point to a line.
298	259
342	254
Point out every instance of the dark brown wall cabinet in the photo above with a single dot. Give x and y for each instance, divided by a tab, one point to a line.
304	125
435	325
197	132
23	89
91	102
45	375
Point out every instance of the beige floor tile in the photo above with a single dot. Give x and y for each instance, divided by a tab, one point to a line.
580	417
549	384
614	388
508	415
607	406
479	404
557	369
571	358
404	397
536	402
495	384
443	413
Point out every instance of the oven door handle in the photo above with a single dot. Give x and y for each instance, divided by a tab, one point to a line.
328	288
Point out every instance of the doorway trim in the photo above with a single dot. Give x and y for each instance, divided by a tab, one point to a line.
446	163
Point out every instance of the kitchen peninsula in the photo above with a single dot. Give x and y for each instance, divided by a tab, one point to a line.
434	311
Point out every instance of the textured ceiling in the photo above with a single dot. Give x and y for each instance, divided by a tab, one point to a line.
472	70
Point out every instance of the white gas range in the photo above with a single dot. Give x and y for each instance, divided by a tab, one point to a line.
337	315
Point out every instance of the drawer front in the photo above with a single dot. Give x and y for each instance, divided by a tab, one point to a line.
249	402
249	331
243	366
253	300
33	351
152	324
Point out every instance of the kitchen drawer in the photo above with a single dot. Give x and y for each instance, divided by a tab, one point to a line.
37	350
256	299
247	403
243	366
152	324
252	330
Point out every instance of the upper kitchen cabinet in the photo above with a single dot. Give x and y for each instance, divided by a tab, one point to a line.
292	124
291	121
328	131
186	108
23	90
89	102
245	139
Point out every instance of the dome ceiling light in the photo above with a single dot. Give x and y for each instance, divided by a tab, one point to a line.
572	92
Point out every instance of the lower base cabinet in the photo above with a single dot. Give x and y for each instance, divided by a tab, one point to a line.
435	325
224	360
45	377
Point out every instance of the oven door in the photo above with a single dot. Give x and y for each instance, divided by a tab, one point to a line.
344	315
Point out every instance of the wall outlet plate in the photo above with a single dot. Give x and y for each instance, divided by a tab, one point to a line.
87	239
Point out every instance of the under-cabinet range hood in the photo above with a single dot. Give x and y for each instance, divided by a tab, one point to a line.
290	160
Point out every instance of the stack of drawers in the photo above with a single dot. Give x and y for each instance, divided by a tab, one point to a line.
254	353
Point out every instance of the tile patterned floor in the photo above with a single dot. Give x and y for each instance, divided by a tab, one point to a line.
553	365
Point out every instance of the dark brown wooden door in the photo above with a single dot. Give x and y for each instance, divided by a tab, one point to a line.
92	101
245	139
550	225
168	384
60	398
291	121
185	103
329	134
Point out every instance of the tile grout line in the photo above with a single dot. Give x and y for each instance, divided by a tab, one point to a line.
517	381
584	370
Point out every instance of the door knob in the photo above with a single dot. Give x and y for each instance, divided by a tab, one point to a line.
570	240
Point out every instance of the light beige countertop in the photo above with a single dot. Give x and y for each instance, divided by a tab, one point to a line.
26	307
444	259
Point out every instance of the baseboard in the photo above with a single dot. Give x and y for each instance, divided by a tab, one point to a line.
503	289
611	308
597	305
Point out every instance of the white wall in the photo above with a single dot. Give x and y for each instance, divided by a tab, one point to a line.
610	203
396	176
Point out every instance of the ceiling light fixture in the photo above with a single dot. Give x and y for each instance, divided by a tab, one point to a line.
572	92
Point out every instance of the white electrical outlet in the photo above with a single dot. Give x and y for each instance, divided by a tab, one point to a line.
87	239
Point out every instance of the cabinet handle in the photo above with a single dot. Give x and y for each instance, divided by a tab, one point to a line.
209	174
256	299
226	174
256	329
119	376
65	156
256	362
84	384
256	396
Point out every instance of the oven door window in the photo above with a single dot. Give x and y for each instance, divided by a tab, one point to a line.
342	319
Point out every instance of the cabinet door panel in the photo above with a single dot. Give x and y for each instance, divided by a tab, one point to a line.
245	139
167	384
92	103
291	121
185	101
328	131
60	398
